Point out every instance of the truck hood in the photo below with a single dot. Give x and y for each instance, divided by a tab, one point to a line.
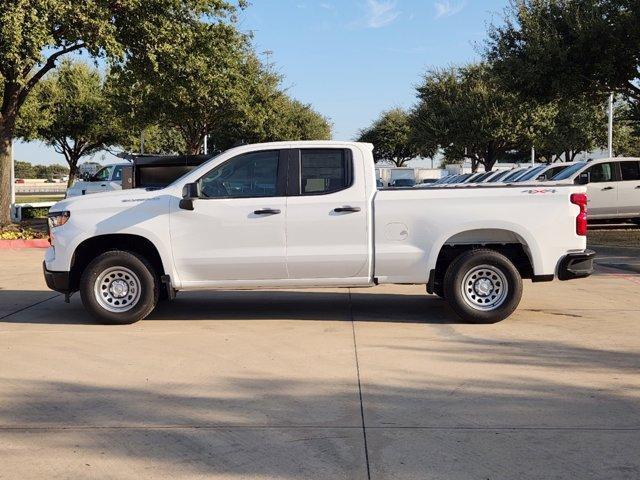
112	200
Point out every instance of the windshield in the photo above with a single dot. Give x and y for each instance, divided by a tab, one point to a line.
568	172
498	176
102	175
529	175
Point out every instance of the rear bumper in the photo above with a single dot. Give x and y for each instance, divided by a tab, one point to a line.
58	281
576	265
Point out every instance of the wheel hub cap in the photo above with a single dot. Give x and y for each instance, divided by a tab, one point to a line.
485	287
117	289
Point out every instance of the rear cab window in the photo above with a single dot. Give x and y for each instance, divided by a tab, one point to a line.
630	170
320	171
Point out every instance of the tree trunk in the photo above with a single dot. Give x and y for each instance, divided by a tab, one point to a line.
5	177
72	156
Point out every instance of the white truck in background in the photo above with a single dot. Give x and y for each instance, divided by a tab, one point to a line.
308	214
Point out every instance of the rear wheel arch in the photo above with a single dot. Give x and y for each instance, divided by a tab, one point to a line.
508	243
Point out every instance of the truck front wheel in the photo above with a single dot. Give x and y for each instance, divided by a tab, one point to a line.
119	287
482	286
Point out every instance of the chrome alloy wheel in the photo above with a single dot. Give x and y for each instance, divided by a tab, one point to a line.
117	289
485	287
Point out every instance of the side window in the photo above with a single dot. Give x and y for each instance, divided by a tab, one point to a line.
251	175
323	171
117	174
103	174
630	170
602	172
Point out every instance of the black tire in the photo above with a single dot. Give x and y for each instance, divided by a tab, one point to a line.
501	279
138	300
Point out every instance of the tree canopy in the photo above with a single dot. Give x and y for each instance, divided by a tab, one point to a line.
392	138
70	111
35	34
465	112
568	48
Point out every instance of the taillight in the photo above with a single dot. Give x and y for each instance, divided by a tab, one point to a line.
580	199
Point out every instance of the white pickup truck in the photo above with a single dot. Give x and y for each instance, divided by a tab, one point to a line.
308	214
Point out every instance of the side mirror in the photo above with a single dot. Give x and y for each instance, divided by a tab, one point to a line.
583	179
189	193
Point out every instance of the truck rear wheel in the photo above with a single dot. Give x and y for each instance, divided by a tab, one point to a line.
119	287
482	286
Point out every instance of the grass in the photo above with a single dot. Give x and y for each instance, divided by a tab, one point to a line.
38	198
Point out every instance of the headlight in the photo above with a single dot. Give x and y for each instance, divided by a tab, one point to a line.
57	219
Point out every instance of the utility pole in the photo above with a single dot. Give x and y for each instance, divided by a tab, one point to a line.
533	155
142	142
206	144
610	137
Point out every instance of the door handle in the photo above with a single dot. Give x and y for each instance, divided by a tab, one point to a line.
266	211
607	188
638	187
346	209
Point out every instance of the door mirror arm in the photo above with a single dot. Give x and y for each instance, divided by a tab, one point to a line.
189	194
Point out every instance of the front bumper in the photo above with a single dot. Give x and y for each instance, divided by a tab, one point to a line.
576	265
58	281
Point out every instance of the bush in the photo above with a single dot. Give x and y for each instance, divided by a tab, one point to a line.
20	232
34	212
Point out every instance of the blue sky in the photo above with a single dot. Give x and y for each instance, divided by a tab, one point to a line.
352	59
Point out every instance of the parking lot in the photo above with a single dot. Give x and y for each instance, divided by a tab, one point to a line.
378	383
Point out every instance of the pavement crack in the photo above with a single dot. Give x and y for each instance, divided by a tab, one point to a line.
29	306
355	350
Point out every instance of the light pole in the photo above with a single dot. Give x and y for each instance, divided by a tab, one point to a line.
610	136
533	155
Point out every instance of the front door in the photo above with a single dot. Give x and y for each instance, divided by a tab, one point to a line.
629	193
327	235
236	230
602	191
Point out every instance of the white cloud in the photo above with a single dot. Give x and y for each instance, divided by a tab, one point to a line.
380	13
444	8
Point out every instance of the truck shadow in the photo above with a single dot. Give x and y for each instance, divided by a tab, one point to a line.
302	305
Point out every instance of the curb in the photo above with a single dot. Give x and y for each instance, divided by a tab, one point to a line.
35	243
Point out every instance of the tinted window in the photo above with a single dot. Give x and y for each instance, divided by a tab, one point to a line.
602	172
568	172
102	175
553	171
322	171
149	176
117	173
251	175
630	170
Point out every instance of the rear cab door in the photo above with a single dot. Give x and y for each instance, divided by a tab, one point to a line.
328	215
602	190
629	189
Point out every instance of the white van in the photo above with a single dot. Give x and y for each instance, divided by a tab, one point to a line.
613	187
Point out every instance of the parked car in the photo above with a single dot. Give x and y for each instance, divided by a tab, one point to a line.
19	180
429	181
551	171
613	187
222	226
106	179
403	182
379	183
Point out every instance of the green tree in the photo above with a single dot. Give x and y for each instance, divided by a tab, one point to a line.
574	126
214	86
35	34
466	113
566	48
70	113
24	170
392	138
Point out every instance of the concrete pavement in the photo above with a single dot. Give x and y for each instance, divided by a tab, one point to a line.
374	383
